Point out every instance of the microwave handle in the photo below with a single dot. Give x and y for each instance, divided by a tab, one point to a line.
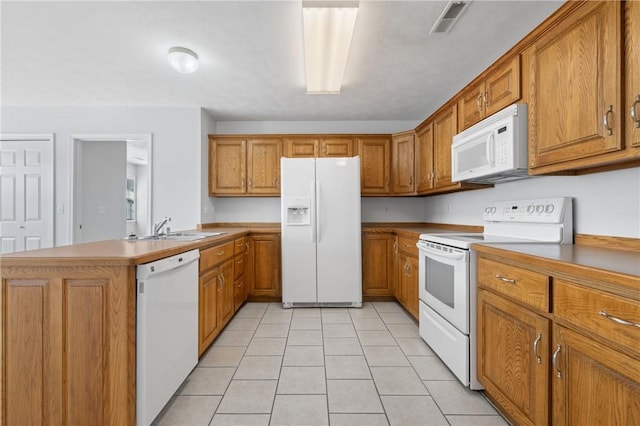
491	148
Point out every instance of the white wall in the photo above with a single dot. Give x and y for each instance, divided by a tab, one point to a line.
604	203
207	127
301	127
177	149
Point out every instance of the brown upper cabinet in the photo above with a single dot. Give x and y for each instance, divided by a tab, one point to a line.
301	148
227	166
444	128
498	89
632	72
424	157
375	165
402	171
575	107
263	166
336	147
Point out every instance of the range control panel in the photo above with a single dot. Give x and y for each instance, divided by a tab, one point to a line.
539	210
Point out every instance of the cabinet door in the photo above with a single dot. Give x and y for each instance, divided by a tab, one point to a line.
471	106
265	256
403	279
225	293
632	72
575	107
403	163
263	160
444	128
227	166
424	158
238	293
592	383
208	309
377	250
375	166
513	358
301	148
502	87
336	147
412	303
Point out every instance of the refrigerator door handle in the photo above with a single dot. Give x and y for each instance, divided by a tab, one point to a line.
318	207
312	213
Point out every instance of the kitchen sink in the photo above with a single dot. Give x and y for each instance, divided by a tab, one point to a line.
176	236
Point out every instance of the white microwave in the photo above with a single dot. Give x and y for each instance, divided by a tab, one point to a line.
493	150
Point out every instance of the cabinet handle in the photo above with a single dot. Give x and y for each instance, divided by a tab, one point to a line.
505	280
479	102
554	360
486	99
618	320
220	253
240	261
395	247
219	278
607	126
246	245
634	113
324	150
410	180
535	347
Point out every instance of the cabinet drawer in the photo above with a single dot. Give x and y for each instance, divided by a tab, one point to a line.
239	266
214	255
408	246
239	246
598	312
528	287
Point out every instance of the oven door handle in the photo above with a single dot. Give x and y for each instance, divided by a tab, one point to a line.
457	255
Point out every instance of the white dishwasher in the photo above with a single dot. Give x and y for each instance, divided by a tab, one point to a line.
166	330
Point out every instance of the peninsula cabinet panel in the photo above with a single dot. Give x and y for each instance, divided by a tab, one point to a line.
576	106
402	170
225	293
593	384
513	358
336	147
444	129
424	158
377	263
632	72
227	166
375	166
263	166
69	351
301	148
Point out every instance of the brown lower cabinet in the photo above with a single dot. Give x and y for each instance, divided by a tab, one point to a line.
264	274
377	264
577	366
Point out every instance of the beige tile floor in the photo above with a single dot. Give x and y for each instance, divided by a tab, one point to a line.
323	366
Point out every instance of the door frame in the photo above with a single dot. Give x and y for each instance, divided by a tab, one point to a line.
43	137
76	173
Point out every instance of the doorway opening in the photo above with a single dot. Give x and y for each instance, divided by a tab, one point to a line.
110	186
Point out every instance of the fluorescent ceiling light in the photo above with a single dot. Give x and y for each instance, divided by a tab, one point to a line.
328	29
183	60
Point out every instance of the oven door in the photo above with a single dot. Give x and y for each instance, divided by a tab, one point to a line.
444	282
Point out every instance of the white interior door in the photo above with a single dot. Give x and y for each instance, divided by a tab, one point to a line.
26	192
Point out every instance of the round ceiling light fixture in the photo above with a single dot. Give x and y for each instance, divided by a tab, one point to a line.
183	60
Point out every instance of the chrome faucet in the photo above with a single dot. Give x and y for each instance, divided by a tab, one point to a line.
157	227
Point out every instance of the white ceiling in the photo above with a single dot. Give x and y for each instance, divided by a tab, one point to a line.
251	56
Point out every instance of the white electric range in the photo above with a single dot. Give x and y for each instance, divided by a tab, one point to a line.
447	273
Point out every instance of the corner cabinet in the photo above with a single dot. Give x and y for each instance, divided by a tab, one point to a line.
377	263
264	273
575	107
375	165
424	157
445	127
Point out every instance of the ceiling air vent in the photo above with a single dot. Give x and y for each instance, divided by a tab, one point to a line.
449	17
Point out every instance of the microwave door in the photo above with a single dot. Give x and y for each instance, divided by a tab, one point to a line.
474	155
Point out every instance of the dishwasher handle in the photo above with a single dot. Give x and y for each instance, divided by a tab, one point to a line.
148	270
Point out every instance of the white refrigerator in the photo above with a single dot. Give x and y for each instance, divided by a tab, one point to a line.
321	238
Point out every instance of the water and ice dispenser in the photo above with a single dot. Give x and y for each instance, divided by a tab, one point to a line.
298	211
